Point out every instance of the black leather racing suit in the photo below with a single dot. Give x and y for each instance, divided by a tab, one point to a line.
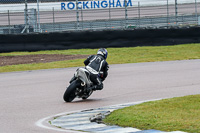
96	64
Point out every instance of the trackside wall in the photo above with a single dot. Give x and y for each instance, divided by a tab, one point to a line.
97	39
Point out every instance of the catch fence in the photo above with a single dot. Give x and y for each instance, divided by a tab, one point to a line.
28	16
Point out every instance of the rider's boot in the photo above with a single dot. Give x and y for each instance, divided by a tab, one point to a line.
91	88
96	87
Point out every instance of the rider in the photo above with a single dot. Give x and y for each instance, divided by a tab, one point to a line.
98	68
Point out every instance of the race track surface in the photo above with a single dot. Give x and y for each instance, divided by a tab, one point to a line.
27	97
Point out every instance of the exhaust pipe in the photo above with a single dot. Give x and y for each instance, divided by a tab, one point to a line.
83	83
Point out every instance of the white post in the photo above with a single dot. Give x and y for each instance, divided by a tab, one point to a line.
176	11
26	17
167	13
126	16
77	16
139	13
38	17
196	10
9	21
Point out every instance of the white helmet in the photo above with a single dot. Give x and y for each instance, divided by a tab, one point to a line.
103	52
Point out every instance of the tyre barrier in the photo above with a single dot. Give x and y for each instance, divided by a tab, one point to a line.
97	39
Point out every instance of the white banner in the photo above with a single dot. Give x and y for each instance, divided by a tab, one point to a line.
86	5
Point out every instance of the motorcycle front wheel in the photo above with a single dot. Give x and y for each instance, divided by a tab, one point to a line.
69	94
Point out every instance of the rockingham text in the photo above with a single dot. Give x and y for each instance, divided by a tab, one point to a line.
95	4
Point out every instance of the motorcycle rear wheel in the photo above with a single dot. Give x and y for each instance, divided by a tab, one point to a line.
69	94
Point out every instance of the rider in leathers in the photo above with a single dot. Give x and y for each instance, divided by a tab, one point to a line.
98	68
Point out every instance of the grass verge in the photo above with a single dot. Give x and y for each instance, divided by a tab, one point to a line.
176	114
115	56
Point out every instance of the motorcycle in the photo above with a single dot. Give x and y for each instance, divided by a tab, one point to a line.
78	86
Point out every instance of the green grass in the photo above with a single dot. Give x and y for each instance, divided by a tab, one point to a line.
176	114
115	56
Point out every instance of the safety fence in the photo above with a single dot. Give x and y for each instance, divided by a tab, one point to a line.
28	16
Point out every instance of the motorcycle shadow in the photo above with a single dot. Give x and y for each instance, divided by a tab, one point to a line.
86	100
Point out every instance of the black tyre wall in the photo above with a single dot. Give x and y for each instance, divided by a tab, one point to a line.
97	39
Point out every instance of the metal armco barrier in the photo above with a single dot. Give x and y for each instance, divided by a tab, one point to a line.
58	15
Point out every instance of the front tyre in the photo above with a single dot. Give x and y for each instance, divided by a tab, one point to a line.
69	94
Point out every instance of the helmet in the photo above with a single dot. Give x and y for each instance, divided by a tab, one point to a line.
103	52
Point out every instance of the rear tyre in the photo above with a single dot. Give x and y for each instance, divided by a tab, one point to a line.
69	94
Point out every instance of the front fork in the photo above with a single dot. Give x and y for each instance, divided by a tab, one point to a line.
80	91
73	78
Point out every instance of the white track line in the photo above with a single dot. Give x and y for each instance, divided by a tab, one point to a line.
43	123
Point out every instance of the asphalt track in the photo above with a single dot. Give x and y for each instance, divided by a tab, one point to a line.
27	97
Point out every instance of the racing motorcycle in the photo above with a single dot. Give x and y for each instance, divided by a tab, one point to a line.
78	86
